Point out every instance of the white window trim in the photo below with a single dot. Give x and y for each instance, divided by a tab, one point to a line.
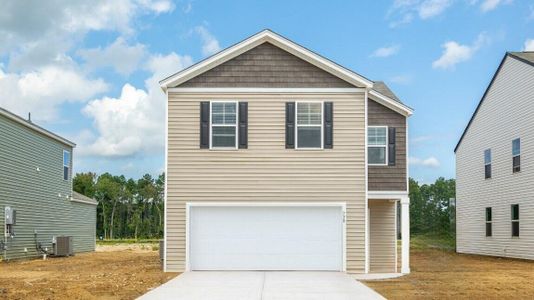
225	125
297	126
68	166
385	146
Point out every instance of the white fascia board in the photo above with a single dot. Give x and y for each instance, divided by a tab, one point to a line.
390	103
386	195
253	41
186	90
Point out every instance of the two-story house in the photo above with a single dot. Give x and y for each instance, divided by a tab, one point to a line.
280	159
495	166
36	198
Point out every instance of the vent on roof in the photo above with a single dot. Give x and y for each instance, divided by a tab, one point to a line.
63	246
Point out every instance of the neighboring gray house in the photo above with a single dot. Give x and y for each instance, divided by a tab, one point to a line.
279	159
36	198
495	166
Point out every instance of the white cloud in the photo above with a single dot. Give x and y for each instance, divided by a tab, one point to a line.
402	11
119	55
386	51
210	45
455	53
432	8
489	5
41	91
430	162
132	123
529	45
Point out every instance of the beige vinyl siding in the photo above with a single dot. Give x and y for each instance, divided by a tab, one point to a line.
382	236
506	113
266	171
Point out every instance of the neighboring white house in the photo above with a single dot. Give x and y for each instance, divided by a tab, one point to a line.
495	166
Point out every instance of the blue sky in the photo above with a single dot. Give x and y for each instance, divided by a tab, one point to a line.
89	70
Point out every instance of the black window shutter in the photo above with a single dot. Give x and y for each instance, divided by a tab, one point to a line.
290	125
328	125
204	125
391	146
243	125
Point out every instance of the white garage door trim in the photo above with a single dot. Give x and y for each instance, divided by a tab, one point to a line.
188	206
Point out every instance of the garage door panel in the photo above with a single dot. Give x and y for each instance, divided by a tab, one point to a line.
266	238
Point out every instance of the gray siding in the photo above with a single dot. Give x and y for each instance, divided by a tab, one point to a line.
388	178
267	66
506	113
39	197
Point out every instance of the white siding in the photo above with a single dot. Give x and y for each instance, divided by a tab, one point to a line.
506	113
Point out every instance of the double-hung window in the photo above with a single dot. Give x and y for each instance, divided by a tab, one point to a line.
309	125
516	155
489	229
515	220
223	124
377	144
487	163
66	164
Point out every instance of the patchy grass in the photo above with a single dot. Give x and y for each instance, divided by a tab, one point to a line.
440	273
127	241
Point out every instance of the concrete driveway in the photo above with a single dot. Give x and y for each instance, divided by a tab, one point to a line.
262	285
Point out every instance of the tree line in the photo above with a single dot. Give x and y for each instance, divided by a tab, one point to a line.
127	208
431	209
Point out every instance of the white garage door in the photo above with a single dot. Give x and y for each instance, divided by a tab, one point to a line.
266	238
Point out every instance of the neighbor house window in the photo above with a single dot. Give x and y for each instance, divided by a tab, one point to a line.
488	222
515	220
516	155
309	125
66	164
487	163
224	125
377	138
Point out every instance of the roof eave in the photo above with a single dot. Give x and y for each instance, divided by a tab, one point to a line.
391	103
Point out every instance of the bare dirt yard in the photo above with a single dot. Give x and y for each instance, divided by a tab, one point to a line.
443	274
112	272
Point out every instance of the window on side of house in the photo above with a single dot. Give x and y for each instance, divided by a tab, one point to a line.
309	129
487	163
66	164
223	129
377	145
489	229
515	220
516	155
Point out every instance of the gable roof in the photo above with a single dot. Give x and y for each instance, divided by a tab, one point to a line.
378	90
255	40
525	57
35	127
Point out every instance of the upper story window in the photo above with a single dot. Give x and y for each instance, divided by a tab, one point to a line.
309	125
515	220
489	231
66	164
223	124
516	155
377	144
487	163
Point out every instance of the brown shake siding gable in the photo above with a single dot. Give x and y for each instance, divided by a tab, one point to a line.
388	178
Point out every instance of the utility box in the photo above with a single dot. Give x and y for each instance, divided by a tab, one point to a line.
11	216
63	246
